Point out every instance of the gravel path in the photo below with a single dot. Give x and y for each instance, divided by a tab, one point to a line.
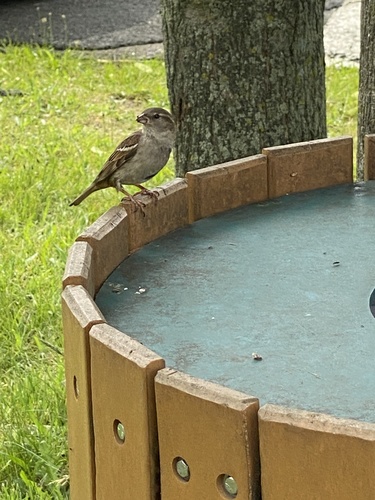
342	31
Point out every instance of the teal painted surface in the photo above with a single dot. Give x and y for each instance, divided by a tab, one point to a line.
289	279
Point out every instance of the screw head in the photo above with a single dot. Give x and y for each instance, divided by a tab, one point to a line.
230	485
119	431
182	468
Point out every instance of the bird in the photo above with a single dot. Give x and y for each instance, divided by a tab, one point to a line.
137	158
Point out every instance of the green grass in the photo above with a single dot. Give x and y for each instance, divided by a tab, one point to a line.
54	139
342	105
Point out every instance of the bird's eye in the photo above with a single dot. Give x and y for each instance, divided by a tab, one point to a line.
156	115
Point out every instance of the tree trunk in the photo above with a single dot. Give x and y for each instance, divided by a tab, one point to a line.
243	75
366	97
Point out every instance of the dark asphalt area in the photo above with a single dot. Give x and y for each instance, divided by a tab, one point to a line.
133	27
87	24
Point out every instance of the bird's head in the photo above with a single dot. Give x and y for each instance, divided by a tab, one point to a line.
159	123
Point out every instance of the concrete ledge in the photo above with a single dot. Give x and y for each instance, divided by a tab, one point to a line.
312	455
309	165
222	187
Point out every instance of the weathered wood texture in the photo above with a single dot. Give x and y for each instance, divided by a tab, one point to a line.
308	455
122	377
310	165
366	95
168	212
79	269
229	185
214	430
108	237
79	314
243	76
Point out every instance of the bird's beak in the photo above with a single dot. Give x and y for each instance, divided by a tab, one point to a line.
142	118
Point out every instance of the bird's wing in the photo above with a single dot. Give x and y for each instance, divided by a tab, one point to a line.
123	153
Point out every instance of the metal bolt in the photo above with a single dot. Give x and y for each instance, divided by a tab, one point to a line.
230	485
119	431
182	469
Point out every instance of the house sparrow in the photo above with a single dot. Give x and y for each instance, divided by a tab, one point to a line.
137	158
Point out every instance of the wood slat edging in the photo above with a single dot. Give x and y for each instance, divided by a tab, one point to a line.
123	372
82	306
79	315
204	389
303	147
305	454
111	218
213	429
109	238
315	421
161	216
78	268
219	188
124	345
305	166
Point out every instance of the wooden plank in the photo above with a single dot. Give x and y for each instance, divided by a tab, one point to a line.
309	455
212	431
309	165
79	313
222	187
168	212
108	237
369	170
122	374
78	269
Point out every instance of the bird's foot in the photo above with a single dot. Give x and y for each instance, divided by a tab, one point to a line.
148	192
136	203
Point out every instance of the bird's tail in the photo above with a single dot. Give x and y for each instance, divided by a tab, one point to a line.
93	187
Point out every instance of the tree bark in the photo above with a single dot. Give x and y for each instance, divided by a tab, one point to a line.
243	75
366	96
